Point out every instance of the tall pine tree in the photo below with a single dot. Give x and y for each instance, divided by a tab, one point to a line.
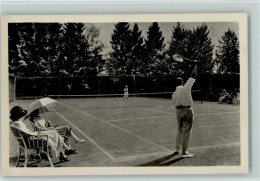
95	47
74	53
154	47
193	44
53	47
228	53
200	48
119	60
178	45
137	52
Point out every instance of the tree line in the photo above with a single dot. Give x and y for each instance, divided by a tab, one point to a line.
75	49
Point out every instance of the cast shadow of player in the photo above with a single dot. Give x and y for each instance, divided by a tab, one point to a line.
163	161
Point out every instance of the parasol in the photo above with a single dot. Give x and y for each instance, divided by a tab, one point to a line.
44	105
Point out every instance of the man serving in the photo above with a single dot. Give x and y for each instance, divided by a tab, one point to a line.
183	102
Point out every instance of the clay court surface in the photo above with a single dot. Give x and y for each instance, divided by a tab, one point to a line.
141	132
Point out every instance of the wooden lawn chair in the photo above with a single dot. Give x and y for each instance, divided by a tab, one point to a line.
29	144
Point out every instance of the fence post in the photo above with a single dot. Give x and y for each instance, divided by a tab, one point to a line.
59	87
134	85
14	91
99	86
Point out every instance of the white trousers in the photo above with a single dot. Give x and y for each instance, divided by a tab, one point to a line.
185	121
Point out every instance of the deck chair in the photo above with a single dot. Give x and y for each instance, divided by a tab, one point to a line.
236	100
28	144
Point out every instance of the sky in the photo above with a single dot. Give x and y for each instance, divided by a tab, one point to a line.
216	30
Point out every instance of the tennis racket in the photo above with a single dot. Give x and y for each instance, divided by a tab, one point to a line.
179	58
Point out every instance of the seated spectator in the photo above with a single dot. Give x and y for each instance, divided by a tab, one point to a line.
236	99
223	96
55	141
65	131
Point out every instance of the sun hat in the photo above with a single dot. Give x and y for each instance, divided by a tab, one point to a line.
17	112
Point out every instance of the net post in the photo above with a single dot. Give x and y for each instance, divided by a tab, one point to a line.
133	84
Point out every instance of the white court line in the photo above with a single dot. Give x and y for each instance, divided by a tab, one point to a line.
92	141
194	114
171	152
155	117
116	120
215	125
116	127
214	146
216	113
142	155
156	110
113	113
217	107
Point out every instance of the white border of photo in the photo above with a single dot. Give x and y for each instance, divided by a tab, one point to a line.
136	7
238	17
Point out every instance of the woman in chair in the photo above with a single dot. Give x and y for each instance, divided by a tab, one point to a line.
223	96
55	141
65	131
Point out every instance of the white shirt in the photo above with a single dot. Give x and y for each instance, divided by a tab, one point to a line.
182	95
125	90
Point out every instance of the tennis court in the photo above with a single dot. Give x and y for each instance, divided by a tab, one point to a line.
141	131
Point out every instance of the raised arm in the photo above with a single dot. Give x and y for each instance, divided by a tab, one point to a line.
188	85
194	72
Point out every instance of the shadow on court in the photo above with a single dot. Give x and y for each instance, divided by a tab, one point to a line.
35	162
162	161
